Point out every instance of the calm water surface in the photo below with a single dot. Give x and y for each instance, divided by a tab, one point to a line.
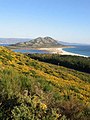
30	51
80	49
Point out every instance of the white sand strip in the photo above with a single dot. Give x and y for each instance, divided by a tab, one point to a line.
60	51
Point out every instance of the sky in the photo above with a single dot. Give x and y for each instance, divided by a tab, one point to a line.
65	20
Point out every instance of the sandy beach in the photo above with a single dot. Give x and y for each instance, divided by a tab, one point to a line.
60	51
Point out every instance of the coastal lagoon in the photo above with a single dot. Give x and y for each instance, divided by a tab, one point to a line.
27	50
30	51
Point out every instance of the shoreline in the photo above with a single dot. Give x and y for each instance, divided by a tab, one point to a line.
61	51
53	50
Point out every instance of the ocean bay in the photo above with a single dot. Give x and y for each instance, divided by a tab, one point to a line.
79	49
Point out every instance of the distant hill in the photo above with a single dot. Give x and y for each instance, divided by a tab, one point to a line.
13	40
39	43
26	40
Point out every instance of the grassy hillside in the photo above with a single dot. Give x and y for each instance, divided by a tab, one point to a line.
33	90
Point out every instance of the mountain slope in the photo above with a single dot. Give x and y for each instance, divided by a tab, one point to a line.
39	43
35	90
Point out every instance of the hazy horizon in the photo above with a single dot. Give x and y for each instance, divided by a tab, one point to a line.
63	20
16	40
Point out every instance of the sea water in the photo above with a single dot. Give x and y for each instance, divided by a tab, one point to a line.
79	49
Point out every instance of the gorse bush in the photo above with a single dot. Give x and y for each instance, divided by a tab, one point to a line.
33	90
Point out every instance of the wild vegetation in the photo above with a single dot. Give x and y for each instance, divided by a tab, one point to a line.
33	90
74	62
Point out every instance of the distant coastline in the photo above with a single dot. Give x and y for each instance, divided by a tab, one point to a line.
53	50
